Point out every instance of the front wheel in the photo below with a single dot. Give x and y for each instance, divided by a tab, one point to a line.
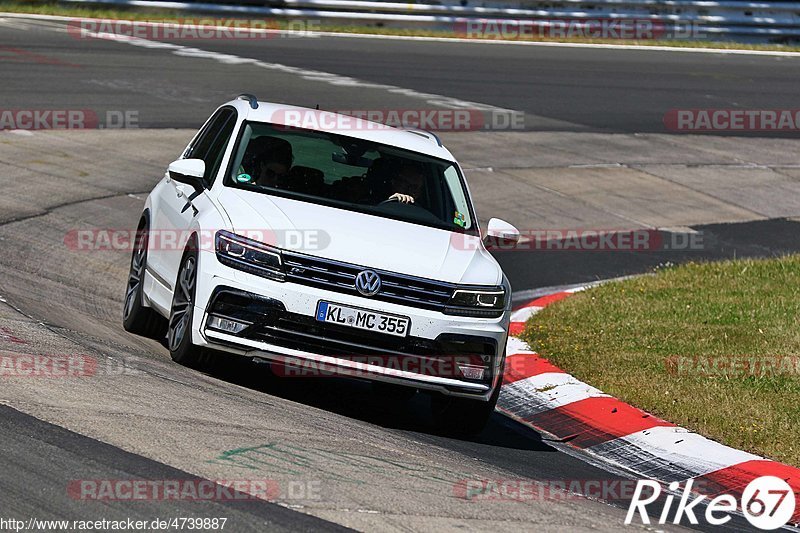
179	332
463	416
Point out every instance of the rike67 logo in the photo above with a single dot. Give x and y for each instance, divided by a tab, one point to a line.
768	503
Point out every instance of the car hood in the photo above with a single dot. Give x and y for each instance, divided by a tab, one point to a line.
360	239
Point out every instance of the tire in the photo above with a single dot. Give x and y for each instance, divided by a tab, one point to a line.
179	329
464	416
136	317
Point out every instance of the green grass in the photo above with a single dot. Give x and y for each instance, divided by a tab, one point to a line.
163	15
621	337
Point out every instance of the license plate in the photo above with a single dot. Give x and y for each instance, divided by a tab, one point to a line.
363	319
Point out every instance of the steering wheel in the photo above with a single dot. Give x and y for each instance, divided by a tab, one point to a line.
393	199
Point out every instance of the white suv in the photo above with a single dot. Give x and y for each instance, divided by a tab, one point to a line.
326	245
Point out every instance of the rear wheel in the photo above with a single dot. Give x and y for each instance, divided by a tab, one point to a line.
136	317
179	332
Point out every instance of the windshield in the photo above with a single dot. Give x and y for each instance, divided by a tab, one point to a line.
352	174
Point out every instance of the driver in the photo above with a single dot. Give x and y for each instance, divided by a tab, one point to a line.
408	184
271	161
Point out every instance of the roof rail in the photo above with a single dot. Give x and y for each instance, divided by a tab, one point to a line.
250	98
425	133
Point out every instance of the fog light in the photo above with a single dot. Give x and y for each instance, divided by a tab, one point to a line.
225	324
472	371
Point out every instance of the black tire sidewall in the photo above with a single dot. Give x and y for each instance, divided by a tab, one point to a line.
187	353
142	320
465	416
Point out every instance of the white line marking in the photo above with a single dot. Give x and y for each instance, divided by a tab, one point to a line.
532	294
578	289
312	75
521	315
680	447
516	346
543	393
631	47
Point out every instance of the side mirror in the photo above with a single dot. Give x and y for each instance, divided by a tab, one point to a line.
189	171
501	232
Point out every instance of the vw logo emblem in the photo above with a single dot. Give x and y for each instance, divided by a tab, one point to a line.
368	282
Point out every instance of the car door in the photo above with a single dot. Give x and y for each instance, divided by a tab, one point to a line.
179	204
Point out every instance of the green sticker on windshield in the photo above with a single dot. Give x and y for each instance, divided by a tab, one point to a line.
244	178
459	220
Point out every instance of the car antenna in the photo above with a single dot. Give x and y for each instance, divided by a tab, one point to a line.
250	98
317	107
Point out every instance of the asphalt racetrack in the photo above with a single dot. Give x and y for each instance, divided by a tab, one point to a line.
558	89
594	153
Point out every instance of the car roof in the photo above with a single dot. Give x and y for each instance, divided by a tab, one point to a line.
419	141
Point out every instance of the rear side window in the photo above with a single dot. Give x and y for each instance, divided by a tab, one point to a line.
210	145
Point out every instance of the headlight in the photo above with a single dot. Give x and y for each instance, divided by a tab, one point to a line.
251	256
483	303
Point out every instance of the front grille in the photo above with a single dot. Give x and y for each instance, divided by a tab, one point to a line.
340	277
298	331
439	356
270	322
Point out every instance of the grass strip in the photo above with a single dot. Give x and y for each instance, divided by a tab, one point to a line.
714	347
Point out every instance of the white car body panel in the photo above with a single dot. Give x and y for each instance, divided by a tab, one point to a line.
355	238
393	245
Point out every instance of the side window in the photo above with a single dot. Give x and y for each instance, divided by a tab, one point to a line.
210	145
461	215
199	146
213	158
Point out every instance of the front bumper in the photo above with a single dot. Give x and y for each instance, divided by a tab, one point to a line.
281	328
